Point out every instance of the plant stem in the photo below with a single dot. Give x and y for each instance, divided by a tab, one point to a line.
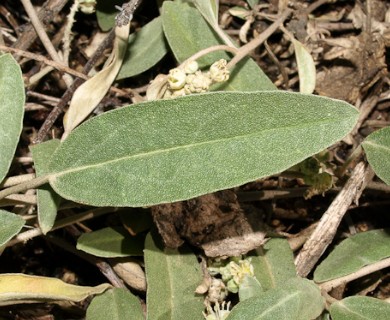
31	184
206	51
244	50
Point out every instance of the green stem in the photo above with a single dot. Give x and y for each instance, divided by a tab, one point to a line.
31	184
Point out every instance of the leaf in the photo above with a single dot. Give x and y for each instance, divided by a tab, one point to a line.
115	304
10	225
360	308
187	33
48	200
249	287
209	10
253	3
22	288
144	50
377	148
306	68
171	150
106	12
91	92
109	243
273	263
11	110
172	277
354	253
298	299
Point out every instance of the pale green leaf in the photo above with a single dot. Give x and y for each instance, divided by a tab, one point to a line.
253	3
115	304
354	253
249	287
209	10
170	150
377	148
145	48
298	299
109	243
306	68
22	288
273	263
48	200
106	12
360	308
187	33
11	110
91	92
10	225
172	277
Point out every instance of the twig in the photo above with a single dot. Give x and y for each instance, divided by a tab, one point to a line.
206	51
27	235
246	49
327	227
329	285
43	36
31	184
12	181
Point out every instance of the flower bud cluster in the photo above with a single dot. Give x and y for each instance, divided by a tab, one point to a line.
189	79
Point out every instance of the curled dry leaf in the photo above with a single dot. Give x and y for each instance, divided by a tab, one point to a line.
130	272
90	93
234	246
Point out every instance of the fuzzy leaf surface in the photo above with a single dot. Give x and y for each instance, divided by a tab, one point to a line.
273	263
10	225
48	200
377	147
21	288
115	304
11	110
110	243
187	33
298	299
354	253
360	308
172	277
144	50
170	150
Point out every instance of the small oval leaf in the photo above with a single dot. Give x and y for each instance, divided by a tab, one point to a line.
115	304
377	147
354	253
110	243
11	110
172	277
299	299
145	48
171	150
306	68
360	308
10	225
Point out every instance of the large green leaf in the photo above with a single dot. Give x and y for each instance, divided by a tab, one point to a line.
377	147
187	33
48	200
106	13
144	50
298	299
354	253
115	304
170	150
109	243
273	263
360	308
172	277
10	225
11	110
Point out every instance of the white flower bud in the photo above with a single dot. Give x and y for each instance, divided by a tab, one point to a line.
197	82
176	79
219	72
191	67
